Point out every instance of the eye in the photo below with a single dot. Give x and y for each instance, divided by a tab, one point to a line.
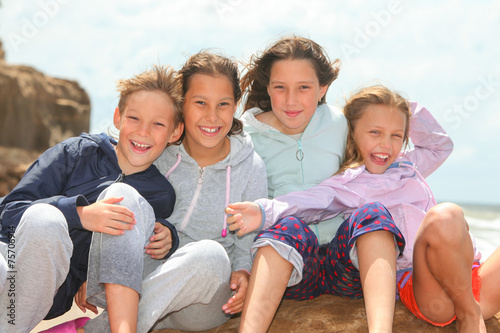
399	136
200	102
305	87
132	118
159	124
279	87
374	132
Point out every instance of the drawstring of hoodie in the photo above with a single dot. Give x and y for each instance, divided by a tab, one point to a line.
410	165
228	188
174	166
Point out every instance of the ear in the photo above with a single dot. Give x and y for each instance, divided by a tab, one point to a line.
117	118
322	91
177	132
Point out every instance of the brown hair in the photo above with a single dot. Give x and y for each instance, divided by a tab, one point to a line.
354	110
159	78
256	80
213	65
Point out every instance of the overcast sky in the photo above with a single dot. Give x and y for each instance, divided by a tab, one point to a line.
444	54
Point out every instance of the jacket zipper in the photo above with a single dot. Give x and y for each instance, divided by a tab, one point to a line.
300	156
120	178
195	199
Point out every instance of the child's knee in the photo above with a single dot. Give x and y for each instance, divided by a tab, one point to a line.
119	190
445	213
43	221
444	223
209	257
371	210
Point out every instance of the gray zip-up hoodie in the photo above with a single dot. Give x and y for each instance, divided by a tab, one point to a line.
201	195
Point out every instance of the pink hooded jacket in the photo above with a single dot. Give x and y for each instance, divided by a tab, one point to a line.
401	188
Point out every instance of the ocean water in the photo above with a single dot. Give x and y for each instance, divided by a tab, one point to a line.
484	224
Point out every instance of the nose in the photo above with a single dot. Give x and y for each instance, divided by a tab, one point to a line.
291	97
143	129
385	141
211	114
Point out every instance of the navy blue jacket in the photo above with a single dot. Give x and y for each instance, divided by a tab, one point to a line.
73	173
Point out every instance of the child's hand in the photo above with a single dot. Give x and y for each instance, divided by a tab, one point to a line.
246	216
106	217
81	299
160	242
239	283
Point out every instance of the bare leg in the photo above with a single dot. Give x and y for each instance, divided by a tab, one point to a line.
377	268
442	262
490	285
268	281
123	306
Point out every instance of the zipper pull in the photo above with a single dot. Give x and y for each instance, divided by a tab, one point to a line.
120	178
200	176
299	154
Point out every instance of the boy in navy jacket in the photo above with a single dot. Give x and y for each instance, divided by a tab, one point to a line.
90	205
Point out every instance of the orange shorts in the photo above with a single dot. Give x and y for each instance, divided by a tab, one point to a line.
405	289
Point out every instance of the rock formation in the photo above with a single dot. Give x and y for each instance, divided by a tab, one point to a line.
38	111
2	53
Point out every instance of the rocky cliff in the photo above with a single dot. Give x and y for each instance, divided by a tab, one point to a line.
36	112
2	53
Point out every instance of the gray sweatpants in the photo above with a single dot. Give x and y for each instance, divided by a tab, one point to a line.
42	250
120	259
185	292
38	256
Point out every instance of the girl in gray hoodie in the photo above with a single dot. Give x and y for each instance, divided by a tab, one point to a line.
207	278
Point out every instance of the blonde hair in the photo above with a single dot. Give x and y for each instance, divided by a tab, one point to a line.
213	65
256	80
354	110
160	78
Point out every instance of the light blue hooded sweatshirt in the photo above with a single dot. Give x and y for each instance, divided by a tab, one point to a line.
295	165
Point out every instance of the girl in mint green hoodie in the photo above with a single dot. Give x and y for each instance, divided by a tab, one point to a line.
300	138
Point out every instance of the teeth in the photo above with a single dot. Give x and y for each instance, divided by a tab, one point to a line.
384	156
210	130
140	145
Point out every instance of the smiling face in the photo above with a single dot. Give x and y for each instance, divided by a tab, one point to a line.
378	135
208	109
146	126
295	91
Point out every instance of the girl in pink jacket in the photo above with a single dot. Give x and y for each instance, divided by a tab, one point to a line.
395	236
